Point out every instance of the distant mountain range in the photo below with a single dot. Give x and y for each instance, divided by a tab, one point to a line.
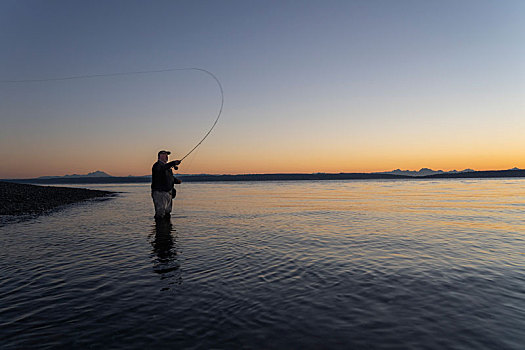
424	173
420	172
96	173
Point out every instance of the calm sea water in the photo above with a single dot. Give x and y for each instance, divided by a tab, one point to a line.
273	265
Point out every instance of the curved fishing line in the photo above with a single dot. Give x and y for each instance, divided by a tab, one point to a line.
218	115
91	76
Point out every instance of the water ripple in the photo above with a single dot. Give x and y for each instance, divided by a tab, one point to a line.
362	264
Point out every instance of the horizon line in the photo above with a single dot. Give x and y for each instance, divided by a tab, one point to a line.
274	173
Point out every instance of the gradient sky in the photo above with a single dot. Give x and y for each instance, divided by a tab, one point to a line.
310	86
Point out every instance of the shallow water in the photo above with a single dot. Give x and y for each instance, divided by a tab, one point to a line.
330	264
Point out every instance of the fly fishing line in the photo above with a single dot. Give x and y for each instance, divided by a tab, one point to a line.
93	76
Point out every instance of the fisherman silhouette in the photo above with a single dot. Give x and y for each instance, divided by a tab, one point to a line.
162	185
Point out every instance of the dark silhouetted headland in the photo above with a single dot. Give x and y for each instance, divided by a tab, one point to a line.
21	199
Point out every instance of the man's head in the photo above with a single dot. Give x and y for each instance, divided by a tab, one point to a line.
163	155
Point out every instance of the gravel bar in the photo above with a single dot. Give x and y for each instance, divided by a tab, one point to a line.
23	199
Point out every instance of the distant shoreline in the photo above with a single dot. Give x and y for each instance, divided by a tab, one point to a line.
22	199
275	177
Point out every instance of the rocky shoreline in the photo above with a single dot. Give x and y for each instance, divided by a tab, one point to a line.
24	199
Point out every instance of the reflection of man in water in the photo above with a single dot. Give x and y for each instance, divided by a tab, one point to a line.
163	242
164	246
162	182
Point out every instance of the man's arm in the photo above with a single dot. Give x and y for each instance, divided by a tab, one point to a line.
168	165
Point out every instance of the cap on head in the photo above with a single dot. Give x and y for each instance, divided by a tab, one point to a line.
163	152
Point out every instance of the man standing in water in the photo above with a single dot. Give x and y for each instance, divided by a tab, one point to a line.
162	181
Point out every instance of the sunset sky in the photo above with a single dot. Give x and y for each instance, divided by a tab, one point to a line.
310	86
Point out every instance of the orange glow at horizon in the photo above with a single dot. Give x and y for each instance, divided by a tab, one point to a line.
333	145
312	161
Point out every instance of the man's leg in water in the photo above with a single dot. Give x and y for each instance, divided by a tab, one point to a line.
161	201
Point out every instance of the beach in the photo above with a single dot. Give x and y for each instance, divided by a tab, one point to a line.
25	199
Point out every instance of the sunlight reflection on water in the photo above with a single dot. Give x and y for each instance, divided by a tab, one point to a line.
328	264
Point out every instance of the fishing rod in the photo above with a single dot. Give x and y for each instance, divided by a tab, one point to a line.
91	76
218	115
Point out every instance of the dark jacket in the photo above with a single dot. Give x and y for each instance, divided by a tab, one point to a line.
162	177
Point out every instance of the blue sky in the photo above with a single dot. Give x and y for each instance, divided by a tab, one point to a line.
309	85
